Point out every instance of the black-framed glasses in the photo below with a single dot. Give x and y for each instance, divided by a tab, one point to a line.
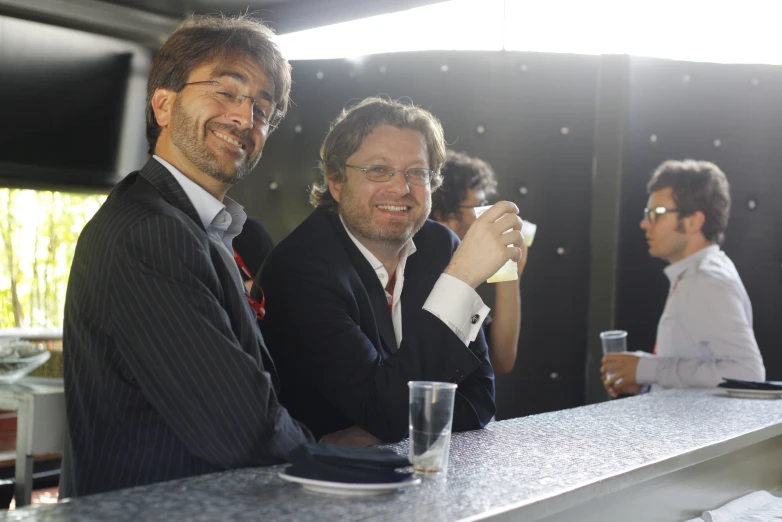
382	173
228	92
653	213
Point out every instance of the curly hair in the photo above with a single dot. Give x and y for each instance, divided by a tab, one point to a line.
696	186
461	173
355	123
201	39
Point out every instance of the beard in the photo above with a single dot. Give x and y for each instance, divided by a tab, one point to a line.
185	135
357	217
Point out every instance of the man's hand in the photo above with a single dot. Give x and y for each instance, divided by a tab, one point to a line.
523	261
622	367
352	436
491	240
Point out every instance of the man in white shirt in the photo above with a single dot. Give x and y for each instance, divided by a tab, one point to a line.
705	332
368	294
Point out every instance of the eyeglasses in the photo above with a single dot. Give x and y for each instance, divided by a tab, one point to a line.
382	173
653	213
228	93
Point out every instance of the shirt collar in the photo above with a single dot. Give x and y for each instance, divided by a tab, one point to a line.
408	250
676	270
206	205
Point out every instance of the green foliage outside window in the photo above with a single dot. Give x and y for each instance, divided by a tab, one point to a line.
37	239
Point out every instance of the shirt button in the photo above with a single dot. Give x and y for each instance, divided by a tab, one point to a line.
475	318
381	276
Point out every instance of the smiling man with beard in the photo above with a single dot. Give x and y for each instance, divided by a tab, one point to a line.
166	373
368	294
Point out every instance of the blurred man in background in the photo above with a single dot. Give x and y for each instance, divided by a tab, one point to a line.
705	332
467	183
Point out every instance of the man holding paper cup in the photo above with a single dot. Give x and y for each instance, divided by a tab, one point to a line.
367	294
467	182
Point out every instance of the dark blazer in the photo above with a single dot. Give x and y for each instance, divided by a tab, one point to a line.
166	373
332	338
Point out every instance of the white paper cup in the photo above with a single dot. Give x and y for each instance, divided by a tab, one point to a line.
507	272
528	231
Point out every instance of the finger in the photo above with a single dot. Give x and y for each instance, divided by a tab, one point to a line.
511	237
507	222
498	210
612	380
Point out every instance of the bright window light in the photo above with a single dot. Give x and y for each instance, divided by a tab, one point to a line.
455	25
693	30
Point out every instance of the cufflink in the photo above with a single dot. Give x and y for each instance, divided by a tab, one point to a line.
475	318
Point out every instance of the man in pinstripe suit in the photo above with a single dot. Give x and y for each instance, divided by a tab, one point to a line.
166	373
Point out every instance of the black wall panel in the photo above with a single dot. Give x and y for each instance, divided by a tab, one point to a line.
532	117
728	114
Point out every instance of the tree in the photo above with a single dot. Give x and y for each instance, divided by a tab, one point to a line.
39	238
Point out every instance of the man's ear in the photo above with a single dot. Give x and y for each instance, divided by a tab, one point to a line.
162	105
695	222
334	186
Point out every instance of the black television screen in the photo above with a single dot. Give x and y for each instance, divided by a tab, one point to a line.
63	97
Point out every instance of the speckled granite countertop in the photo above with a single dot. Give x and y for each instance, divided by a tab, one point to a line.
533	466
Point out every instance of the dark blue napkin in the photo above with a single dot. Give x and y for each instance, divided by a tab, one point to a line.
750	385
347	464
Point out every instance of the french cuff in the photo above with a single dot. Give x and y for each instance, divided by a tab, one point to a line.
460	307
646	371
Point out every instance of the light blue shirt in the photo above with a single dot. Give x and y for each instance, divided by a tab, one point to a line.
222	221
705	332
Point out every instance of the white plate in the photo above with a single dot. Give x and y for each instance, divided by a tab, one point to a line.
753	394
347	489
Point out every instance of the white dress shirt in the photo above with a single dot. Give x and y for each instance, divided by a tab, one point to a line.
451	300
222	221
705	332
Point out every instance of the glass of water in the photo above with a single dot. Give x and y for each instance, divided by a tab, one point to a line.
431	418
614	341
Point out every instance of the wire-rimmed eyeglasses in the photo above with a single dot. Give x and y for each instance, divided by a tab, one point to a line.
381	173
229	94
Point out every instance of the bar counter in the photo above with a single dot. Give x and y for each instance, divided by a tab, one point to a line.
664	456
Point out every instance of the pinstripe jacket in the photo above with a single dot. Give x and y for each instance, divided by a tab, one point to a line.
332	336
166	373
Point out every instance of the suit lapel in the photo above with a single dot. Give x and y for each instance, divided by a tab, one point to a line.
169	188
172	191
375	290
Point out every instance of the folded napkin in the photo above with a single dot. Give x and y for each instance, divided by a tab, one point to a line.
760	506
347	464
750	385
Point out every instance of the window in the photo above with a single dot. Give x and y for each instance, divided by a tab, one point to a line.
37	241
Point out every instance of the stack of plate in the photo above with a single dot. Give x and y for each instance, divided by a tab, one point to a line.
18	358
